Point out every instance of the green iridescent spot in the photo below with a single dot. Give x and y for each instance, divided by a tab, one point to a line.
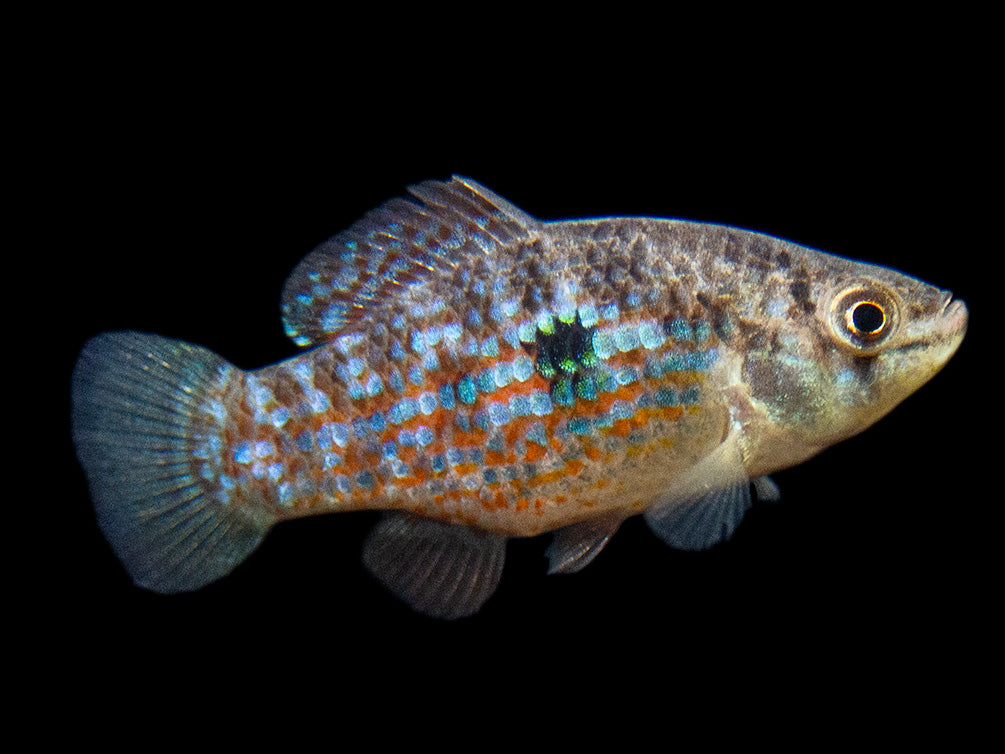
565	347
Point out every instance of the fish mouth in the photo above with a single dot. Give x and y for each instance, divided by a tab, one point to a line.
954	315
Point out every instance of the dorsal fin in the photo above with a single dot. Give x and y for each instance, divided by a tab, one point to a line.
394	245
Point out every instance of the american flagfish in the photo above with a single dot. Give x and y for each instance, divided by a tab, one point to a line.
478	375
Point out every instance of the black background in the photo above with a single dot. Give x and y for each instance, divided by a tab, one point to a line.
182	204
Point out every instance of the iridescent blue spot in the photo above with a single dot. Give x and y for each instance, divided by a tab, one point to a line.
512	336
536	434
474	318
690	395
454	331
286	494
561	393
264	449
481	420
498	413
651	335
399	468
586	388
519	405
374	385
526	330
242	453
434	333
388	449
627	375
431	360
603	344
496	442
702	331
402	411
509	473
490	476
622	409
626	338
490	346
395	380
606	382
674	362
276	471
463	422
540	403
523	367
470	481
418	342
424	436
280	416
697	360
470	346
609	311
588	315
356	391
475	455
496	312
579	426
365	479
305	440
681	330
510	305
466	390
633	300
360	426
666	397
437	463
377	421
397	351
342	483
653	369
454	456
415	375
356	366
340	433
305	299
486	380
446	396
502	373
427	402
406	438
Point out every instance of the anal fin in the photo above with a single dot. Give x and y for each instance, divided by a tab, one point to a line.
575	546
439	569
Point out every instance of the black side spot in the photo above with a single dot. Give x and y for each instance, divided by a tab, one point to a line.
564	351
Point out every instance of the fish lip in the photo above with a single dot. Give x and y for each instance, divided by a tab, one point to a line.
954	312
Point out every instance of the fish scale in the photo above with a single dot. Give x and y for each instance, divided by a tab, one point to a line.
480	375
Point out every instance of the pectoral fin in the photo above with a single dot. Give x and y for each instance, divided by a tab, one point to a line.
705	505
575	546
441	570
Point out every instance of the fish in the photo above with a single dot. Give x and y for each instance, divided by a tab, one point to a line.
478	375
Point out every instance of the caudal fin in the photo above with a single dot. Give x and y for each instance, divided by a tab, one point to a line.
146	424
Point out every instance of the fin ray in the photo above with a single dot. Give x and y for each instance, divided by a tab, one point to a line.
706	504
139	405
438	569
394	245
575	546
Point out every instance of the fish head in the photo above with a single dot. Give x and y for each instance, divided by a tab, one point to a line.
834	349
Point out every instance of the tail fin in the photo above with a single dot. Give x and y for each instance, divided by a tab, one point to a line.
146	420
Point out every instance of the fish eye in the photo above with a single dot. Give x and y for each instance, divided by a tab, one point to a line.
866	318
863	316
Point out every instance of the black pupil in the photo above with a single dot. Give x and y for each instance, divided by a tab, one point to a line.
867	318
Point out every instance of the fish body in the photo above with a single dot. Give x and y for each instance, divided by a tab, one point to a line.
481	375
